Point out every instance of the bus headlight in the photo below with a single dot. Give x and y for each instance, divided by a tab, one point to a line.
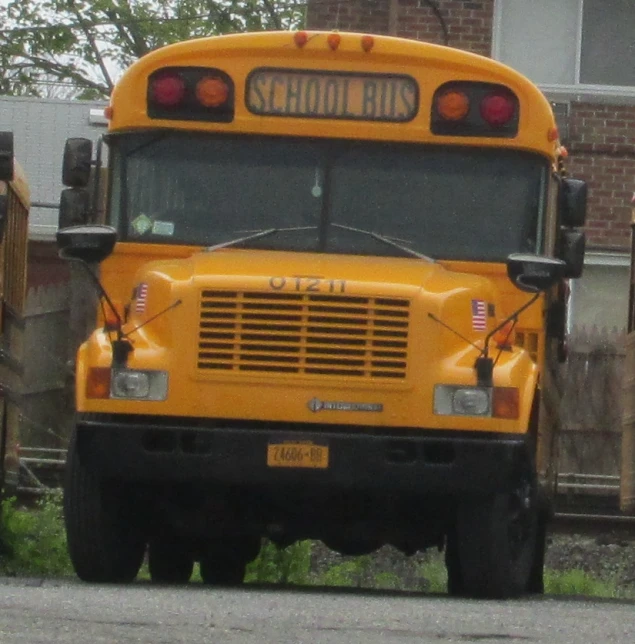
139	385
451	400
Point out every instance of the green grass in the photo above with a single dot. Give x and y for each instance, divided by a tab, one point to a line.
433	574
579	582
33	543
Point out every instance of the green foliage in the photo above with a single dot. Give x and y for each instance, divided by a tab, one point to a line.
274	565
34	540
388	581
578	582
352	572
79	46
433	573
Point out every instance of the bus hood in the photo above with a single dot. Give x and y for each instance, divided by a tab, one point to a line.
420	296
313	273
273	335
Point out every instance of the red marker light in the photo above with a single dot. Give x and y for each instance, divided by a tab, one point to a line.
368	42
552	134
334	40
300	38
108	112
168	90
497	109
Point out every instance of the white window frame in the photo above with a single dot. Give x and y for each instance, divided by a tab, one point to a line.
577	91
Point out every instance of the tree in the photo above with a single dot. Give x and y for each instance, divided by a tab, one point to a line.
85	44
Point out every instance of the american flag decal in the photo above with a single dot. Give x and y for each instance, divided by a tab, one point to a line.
478	315
141	298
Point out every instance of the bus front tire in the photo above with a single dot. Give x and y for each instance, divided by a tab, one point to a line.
497	541
104	542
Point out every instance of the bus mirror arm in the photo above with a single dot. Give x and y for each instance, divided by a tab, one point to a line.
484	365
121	347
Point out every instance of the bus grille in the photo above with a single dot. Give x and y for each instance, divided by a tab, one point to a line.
307	334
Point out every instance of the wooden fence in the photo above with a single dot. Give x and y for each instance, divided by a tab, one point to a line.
591	408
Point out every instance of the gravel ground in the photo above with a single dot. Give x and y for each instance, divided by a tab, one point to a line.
606	557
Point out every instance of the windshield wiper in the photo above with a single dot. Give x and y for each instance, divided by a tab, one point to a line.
386	240
256	235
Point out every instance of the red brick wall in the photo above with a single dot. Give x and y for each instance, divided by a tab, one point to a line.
602	147
368	16
468	22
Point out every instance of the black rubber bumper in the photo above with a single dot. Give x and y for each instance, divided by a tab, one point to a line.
429	462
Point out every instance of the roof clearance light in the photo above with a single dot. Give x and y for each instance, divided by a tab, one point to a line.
212	91
168	90
368	42
453	105
334	40
108	112
497	109
300	38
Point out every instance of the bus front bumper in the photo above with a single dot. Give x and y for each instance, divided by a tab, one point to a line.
417	461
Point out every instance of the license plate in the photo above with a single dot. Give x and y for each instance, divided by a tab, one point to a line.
306	455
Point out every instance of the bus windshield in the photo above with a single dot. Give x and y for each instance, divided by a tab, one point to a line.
457	203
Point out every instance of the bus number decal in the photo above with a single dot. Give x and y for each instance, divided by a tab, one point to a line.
307	285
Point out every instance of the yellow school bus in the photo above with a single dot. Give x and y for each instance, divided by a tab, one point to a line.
14	213
332	271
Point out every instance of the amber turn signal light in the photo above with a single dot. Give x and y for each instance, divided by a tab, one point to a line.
98	382
505	402
211	91
453	105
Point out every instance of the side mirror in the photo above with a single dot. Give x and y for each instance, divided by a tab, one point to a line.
6	156
534	273
87	243
571	252
78	155
573	198
74	207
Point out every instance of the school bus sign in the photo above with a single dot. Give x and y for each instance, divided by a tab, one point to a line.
365	97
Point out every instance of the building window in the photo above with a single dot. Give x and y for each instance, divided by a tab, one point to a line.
570	43
599	299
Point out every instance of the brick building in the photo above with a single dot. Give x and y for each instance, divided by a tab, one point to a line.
581	53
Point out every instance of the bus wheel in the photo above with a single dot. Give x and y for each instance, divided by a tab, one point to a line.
169	561
104	542
497	544
225	563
